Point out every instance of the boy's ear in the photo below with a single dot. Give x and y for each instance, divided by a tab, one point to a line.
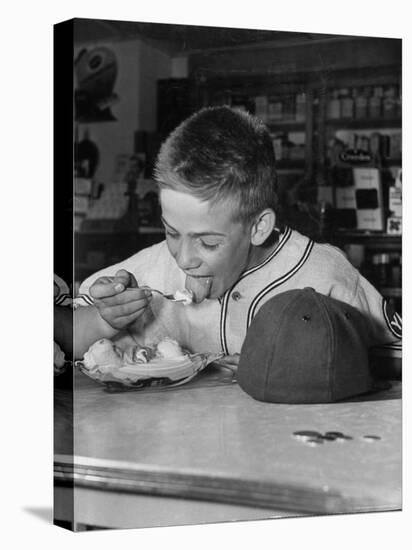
262	227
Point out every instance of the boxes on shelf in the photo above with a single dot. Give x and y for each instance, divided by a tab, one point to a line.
289	145
369	201
358	198
394	221
367	146
290	108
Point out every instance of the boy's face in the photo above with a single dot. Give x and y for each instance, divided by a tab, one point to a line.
204	240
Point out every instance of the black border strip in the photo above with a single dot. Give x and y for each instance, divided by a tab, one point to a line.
63	170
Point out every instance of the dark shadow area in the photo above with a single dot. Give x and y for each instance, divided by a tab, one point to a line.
43	513
392	391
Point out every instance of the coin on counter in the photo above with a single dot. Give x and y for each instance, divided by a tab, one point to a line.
329	437
304	435
371	438
337	436
334	434
314	441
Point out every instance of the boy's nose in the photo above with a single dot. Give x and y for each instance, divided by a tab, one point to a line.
186	257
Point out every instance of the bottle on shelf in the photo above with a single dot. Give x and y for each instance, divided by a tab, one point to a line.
399	103
389	102
364	144
333	105
375	103
381	269
361	104
346	103
86	156
261	108
275	110
395	279
300	112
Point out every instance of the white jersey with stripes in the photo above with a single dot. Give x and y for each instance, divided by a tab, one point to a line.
220	325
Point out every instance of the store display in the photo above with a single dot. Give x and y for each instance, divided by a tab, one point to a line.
346	104
375	103
361	104
369	201
300	107
333	105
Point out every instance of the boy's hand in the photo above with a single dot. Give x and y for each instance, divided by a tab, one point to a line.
117	306
230	361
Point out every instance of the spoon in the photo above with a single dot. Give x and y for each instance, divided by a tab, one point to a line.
170	297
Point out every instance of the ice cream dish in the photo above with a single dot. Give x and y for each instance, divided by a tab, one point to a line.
163	364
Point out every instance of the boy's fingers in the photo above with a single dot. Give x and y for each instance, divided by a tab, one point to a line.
121	316
123	279
127	311
103	288
231	361
128	319
126	297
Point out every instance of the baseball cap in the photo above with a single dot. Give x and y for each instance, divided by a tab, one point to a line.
305	347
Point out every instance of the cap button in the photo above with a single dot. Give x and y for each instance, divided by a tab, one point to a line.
236	296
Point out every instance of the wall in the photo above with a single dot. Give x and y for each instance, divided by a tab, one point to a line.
338	54
139	67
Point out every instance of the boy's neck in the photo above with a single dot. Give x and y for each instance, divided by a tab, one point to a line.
259	254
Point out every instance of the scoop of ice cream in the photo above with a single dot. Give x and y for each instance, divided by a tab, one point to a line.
59	357
186	296
103	354
169	349
139	354
199	287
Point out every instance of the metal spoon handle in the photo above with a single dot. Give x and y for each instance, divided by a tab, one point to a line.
167	296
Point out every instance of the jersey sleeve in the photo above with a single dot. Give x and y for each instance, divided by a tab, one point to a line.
348	285
386	322
62	295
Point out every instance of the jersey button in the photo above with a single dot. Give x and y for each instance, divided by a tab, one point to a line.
236	296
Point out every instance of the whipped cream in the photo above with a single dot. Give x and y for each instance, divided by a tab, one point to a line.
185	296
169	349
103	354
59	357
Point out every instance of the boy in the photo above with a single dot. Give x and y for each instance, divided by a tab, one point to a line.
218	194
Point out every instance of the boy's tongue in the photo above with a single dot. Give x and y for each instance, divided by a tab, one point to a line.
199	286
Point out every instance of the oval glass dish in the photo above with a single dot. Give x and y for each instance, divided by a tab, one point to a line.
157	372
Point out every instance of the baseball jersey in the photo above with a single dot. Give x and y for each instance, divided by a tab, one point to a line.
62	295
220	325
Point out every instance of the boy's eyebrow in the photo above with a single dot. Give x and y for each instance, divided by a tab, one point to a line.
201	234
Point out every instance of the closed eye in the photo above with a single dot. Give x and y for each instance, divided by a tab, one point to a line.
204	244
209	246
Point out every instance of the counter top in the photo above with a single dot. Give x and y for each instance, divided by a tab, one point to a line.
208	440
